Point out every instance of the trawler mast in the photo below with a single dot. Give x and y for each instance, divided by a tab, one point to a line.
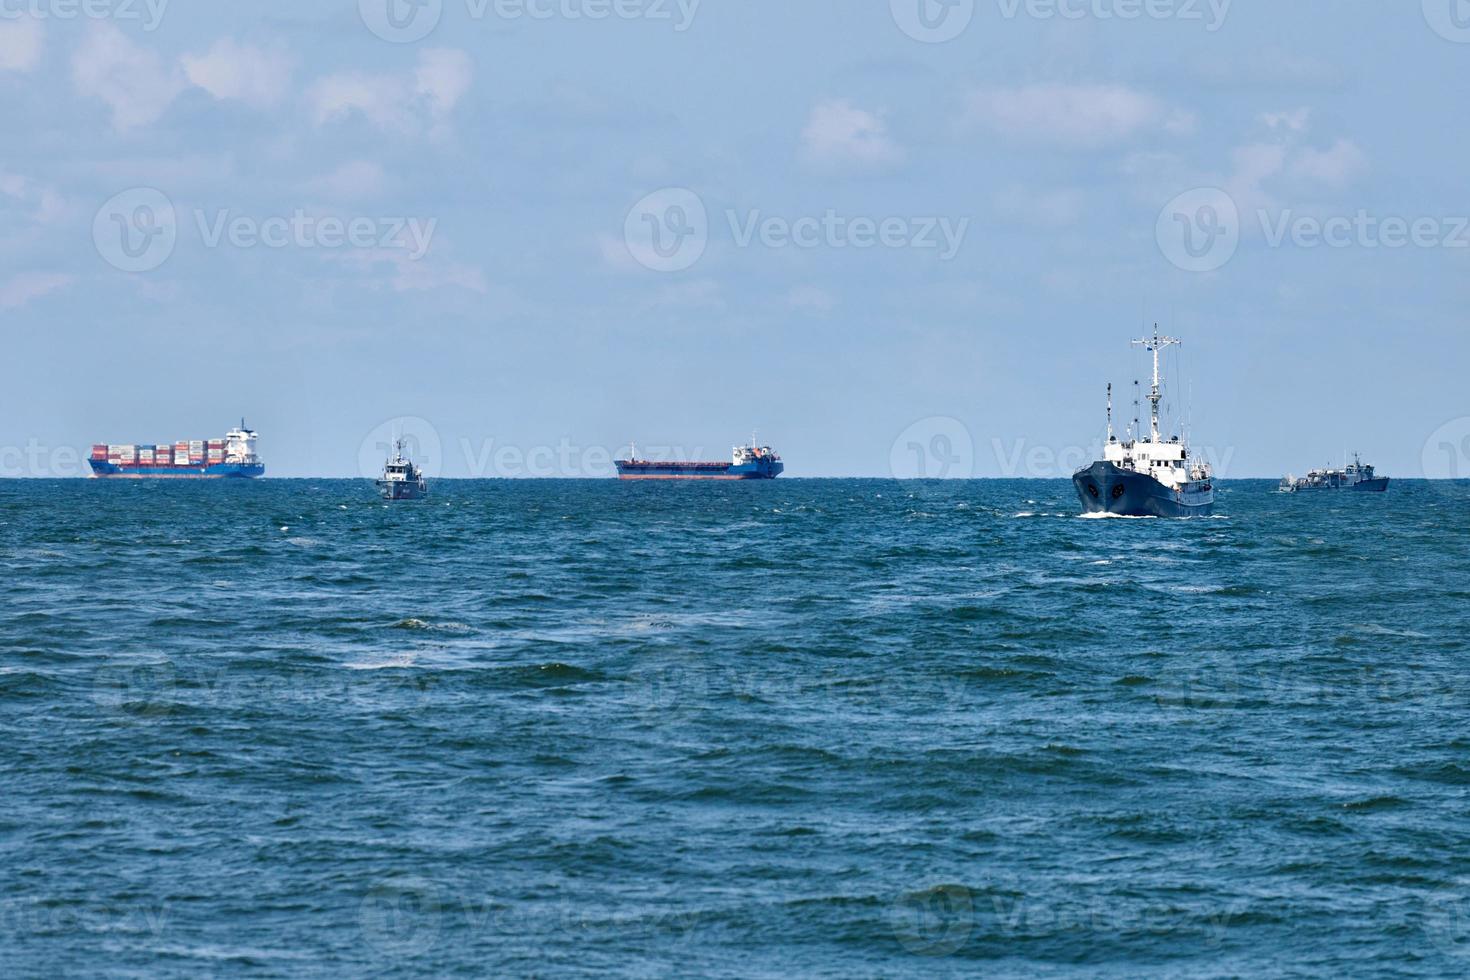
1155	344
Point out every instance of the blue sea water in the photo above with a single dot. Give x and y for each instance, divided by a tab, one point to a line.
799	728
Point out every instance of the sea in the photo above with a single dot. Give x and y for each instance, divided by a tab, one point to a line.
798	728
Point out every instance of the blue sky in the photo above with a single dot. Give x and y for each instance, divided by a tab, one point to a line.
877	228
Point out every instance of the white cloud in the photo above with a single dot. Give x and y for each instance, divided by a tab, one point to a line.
397	103
356	180
1336	166
230	70
811	299
132	80
1251	166
442	77
403	274
616	254
20	44
1295	121
840	138
21	289
1075	115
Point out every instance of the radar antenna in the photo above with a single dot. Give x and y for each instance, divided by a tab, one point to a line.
1155	344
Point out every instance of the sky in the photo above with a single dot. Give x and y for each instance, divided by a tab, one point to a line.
888	237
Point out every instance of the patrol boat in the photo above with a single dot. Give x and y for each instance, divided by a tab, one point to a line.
1357	475
401	479
1153	477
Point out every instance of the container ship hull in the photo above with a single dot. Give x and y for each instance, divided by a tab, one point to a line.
216	471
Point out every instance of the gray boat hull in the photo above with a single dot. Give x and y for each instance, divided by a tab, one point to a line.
1104	488
401	490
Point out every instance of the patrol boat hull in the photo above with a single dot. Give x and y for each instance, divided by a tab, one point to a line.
1105	488
401	490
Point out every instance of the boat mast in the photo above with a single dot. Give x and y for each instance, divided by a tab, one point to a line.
1155	344
1110	411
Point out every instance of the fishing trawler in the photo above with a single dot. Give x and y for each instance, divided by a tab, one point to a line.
401	479
1356	475
1152	477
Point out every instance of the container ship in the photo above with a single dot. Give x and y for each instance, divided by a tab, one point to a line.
750	462
198	459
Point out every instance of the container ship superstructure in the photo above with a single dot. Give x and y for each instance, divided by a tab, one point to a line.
750	462
234	456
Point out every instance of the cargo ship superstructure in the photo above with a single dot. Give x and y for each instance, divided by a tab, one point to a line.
750	462
1356	475
1152	477
233	457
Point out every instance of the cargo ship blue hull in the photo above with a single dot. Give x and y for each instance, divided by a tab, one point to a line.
648	470
214	471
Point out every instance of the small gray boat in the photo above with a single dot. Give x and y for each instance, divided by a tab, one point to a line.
401	479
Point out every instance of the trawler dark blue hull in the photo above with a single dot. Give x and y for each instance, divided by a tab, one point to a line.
1105	488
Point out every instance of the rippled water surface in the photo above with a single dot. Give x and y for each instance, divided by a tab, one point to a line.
815	728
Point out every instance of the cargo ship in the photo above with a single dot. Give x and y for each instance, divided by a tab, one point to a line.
750	462
233	456
1356	475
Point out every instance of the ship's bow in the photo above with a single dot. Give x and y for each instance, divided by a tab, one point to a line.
1105	488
